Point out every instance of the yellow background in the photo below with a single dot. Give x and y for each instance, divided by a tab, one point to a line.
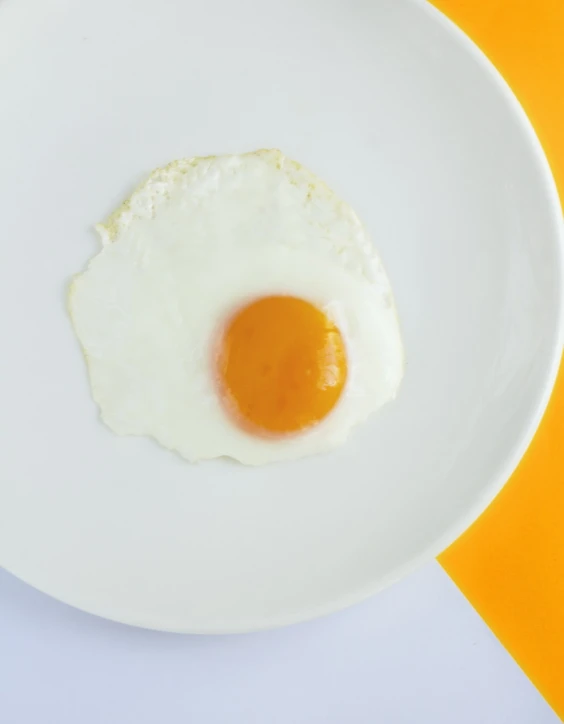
510	564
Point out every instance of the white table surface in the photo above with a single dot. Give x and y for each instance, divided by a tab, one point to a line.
417	652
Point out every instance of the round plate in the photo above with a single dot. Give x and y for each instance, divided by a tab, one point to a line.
407	121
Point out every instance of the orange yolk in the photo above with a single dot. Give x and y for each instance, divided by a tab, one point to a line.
281	365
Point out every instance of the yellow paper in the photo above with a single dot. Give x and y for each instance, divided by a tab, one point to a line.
510	564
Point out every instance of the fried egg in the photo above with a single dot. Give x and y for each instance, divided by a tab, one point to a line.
237	308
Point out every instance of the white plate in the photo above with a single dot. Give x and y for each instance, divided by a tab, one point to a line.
400	113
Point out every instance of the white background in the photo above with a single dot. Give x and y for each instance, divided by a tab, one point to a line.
415	653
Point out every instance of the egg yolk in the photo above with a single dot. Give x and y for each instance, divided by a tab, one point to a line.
281	365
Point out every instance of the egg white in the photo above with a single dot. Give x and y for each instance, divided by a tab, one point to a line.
197	241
